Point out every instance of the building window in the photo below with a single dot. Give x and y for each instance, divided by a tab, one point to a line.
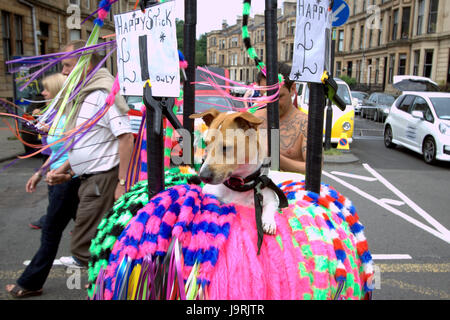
350	68
361	37
74	34
428	65
12	35
6	35
18	34
338	68
420	17
44	37
448	71
352	38
234	42
291	27
377	70
380	33
416	62
370	38
432	17
395	26
391	68
405	22
341	41
401	64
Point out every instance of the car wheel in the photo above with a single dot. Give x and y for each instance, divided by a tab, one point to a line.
388	138
429	150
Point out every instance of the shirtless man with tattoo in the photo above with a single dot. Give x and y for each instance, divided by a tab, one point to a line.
293	125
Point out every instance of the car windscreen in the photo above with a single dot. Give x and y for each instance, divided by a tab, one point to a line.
344	94
442	107
386	100
359	95
203	103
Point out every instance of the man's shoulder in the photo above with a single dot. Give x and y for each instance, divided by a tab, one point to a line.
95	97
300	114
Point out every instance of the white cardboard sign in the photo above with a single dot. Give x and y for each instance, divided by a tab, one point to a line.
147	49
311	44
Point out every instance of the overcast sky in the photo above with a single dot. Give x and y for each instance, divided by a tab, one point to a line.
211	13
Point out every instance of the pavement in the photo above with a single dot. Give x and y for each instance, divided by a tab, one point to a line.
345	157
10	146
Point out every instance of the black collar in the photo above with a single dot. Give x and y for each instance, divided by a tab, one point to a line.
243	184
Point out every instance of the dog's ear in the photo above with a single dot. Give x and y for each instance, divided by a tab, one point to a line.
251	120
207	116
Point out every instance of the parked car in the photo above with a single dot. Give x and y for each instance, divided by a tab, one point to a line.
377	106
420	121
358	100
342	121
414	84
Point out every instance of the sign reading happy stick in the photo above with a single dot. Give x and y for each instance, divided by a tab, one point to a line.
310	46
147	49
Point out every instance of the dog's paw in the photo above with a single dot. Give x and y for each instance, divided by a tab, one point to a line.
269	226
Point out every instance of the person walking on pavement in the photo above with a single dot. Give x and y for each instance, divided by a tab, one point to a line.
62	207
100	158
52	85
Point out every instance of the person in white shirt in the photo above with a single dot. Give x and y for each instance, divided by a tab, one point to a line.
100	158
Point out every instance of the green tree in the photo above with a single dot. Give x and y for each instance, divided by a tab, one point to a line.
200	45
200	51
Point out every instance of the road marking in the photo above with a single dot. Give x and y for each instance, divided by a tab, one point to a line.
392	202
354	176
416	289
439	227
388	207
414	267
391	257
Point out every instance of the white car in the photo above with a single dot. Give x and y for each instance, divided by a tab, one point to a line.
420	121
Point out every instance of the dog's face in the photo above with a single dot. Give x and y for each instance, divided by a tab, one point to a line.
232	145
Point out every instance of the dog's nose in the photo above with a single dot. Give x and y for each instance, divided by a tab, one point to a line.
206	175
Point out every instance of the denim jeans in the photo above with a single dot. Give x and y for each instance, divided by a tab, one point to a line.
62	207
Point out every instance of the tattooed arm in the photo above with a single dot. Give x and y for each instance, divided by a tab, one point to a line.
293	137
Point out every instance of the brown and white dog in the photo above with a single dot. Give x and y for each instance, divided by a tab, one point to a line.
236	149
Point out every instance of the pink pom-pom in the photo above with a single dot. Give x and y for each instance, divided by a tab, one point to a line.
102	14
183	64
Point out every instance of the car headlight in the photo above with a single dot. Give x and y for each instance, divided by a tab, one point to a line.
444	129
346	126
386	110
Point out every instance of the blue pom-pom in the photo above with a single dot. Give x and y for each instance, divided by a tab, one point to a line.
180	55
98	22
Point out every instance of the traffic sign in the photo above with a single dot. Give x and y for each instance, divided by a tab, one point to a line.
341	13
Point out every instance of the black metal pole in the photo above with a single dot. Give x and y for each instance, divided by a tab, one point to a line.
190	23
273	117
155	155
315	137
329	112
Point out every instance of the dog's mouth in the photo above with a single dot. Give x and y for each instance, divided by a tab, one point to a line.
209	177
